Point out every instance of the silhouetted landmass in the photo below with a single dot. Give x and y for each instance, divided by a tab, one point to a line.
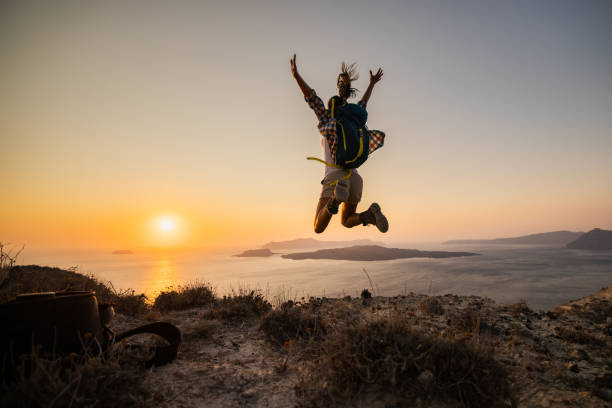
122	252
546	238
595	239
310	243
256	253
373	253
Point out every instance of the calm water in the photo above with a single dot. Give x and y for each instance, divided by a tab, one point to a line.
543	276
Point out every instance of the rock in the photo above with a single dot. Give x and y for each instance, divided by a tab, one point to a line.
572	366
579	354
534	366
426	378
250	393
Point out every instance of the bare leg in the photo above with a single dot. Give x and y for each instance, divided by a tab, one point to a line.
349	217
322	216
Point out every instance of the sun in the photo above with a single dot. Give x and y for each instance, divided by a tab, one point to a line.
167	230
166	224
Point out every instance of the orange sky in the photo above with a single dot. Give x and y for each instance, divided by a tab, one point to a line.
112	115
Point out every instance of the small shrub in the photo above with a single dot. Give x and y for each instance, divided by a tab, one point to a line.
184	297
245	304
430	305
365	294
292	324
577	335
519	308
466	320
127	302
77	381
473	324
403	362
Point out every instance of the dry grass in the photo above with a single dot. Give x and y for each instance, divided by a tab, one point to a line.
201	330
292	323
577	335
390	358
8	256
184	297
471	324
34	278
467	320
240	305
76	381
431	306
517	309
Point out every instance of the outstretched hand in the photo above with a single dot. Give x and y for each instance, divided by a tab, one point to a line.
306	90
293	66
374	78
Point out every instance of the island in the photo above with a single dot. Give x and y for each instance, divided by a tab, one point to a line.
122	252
311	243
545	238
373	253
254	253
596	239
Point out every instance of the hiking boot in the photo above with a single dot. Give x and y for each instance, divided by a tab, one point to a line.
341	192
374	216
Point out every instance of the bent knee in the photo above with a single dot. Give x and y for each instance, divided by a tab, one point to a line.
345	222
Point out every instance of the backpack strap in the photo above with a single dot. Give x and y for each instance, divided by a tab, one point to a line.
335	166
167	331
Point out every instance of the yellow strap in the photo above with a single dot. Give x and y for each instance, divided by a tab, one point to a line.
350	171
324	162
360	147
343	136
332	107
335	166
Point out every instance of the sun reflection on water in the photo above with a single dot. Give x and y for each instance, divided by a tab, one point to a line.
161	276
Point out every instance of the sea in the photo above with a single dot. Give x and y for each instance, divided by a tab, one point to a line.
542	276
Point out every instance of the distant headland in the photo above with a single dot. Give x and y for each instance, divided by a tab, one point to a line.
122	252
373	253
545	238
254	253
596	239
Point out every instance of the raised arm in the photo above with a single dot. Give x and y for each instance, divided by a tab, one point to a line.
306	90
374	78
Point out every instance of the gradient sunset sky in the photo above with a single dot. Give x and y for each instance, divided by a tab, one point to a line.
115	114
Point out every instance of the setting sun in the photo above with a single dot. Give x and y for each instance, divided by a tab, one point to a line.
167	230
167	224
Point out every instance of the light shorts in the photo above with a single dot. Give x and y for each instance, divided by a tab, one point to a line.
355	185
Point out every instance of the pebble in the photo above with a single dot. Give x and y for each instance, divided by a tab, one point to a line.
579	354
426	377
250	393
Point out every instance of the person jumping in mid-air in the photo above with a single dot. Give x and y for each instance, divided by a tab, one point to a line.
347	143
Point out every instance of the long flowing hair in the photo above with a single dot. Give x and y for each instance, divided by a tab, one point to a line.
351	74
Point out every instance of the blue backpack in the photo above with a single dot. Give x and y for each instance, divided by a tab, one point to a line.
353	139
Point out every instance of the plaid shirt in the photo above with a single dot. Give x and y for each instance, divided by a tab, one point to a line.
327	126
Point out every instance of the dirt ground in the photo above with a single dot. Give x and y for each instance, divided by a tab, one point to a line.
555	359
